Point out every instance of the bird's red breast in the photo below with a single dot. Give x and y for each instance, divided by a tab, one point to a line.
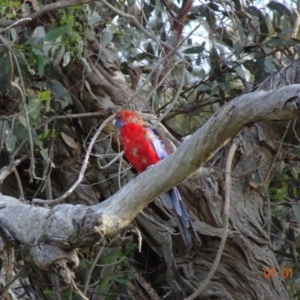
137	146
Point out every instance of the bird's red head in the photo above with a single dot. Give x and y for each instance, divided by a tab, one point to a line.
127	116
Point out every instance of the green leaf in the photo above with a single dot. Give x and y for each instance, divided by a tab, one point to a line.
296	211
106	36
45	156
273	42
134	34
237	47
104	287
94	18
195	49
121	280
44	95
60	92
37	51
10	141
22	121
238	69
56	33
204	87
37	35
41	65
48	292
66	58
14	35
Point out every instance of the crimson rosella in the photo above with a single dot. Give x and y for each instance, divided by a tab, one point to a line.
143	147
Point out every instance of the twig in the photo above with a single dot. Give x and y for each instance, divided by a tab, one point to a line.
170	230
22	91
78	291
82	171
16	23
17	176
89	275
138	233
5	171
179	88
113	263
215	265
294	129
162	80
68	116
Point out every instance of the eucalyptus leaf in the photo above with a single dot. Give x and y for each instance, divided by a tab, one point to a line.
296	211
195	49
10	141
41	65
45	155
56	33
66	58
38	34
94	18
13	34
60	92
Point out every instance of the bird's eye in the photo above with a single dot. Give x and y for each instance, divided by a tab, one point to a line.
119	116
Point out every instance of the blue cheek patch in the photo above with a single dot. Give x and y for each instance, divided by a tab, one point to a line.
119	124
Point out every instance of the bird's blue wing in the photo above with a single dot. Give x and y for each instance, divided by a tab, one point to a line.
172	200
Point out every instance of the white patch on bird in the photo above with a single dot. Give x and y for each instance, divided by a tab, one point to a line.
149	135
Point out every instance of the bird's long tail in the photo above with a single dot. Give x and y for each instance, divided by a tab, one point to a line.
172	200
